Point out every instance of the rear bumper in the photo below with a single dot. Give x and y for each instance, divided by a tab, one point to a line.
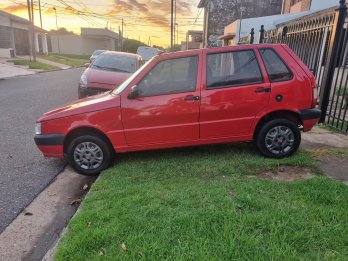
51	145
309	117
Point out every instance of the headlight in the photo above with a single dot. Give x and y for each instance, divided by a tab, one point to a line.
83	79
38	128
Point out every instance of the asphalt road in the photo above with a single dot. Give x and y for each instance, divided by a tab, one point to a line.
24	172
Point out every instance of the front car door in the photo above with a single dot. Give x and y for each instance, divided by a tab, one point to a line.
166	109
235	89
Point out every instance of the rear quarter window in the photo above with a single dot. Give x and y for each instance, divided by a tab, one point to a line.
276	68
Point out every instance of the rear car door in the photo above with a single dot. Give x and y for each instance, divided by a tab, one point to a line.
235	90
167	109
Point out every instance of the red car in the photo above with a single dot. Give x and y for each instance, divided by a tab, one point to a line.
108	71
253	92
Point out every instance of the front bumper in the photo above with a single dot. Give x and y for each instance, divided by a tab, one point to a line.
51	145
309	117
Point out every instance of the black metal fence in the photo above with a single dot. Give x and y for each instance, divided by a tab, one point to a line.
321	41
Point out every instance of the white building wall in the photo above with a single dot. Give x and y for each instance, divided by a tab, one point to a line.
76	44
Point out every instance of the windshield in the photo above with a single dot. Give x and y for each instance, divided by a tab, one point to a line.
125	84
115	63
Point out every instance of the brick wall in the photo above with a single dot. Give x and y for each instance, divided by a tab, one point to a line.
223	12
300	6
294	6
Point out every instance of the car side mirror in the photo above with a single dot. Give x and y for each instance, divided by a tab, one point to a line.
87	65
134	93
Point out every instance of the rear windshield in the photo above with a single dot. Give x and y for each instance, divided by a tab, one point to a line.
276	68
115	63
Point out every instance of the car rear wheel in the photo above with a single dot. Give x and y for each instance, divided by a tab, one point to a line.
278	138
89	154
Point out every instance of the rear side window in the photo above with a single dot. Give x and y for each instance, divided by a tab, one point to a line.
276	68
232	69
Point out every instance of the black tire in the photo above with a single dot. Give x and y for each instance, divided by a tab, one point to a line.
283	138
96	149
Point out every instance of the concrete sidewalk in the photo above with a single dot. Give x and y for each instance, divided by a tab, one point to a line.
323	143
41	60
39	226
8	70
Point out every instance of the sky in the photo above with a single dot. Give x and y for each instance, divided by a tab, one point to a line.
144	20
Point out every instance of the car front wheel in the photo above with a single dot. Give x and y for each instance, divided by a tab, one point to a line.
278	138
89	154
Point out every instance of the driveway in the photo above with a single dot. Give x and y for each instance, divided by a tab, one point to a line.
24	172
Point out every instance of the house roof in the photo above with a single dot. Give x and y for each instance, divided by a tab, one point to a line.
14	17
21	20
203	3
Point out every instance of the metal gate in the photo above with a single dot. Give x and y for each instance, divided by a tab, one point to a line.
321	41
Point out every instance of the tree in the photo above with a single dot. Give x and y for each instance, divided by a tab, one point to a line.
176	48
131	45
158	47
61	30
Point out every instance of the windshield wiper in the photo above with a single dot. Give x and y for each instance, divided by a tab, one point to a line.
110	69
119	70
101	67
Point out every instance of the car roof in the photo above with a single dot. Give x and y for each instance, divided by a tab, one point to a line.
130	55
222	49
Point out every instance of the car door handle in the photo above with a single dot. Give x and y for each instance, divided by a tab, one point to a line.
262	89
192	98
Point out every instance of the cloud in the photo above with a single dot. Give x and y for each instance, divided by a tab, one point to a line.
65	10
15	8
153	13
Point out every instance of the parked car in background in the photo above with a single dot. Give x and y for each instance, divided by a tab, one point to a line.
108	71
148	52
95	54
262	93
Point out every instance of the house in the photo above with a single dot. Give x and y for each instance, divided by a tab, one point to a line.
15	36
239	31
220	13
89	40
194	40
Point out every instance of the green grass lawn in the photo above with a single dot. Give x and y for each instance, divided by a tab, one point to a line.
207	203
67	59
35	65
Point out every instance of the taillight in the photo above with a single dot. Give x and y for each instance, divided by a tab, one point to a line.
315	97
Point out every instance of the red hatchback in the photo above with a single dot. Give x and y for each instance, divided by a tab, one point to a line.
253	92
108	71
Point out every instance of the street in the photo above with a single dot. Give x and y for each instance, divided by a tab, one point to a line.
24	172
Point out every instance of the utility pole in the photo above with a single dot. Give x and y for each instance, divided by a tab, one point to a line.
30	43
171	24
31	29
177	33
40	14
55	10
121	34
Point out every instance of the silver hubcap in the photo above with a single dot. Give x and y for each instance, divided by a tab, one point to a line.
88	155
279	140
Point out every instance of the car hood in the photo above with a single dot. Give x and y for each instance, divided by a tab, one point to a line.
93	103
105	77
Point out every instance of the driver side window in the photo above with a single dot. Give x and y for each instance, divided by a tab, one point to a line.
170	76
